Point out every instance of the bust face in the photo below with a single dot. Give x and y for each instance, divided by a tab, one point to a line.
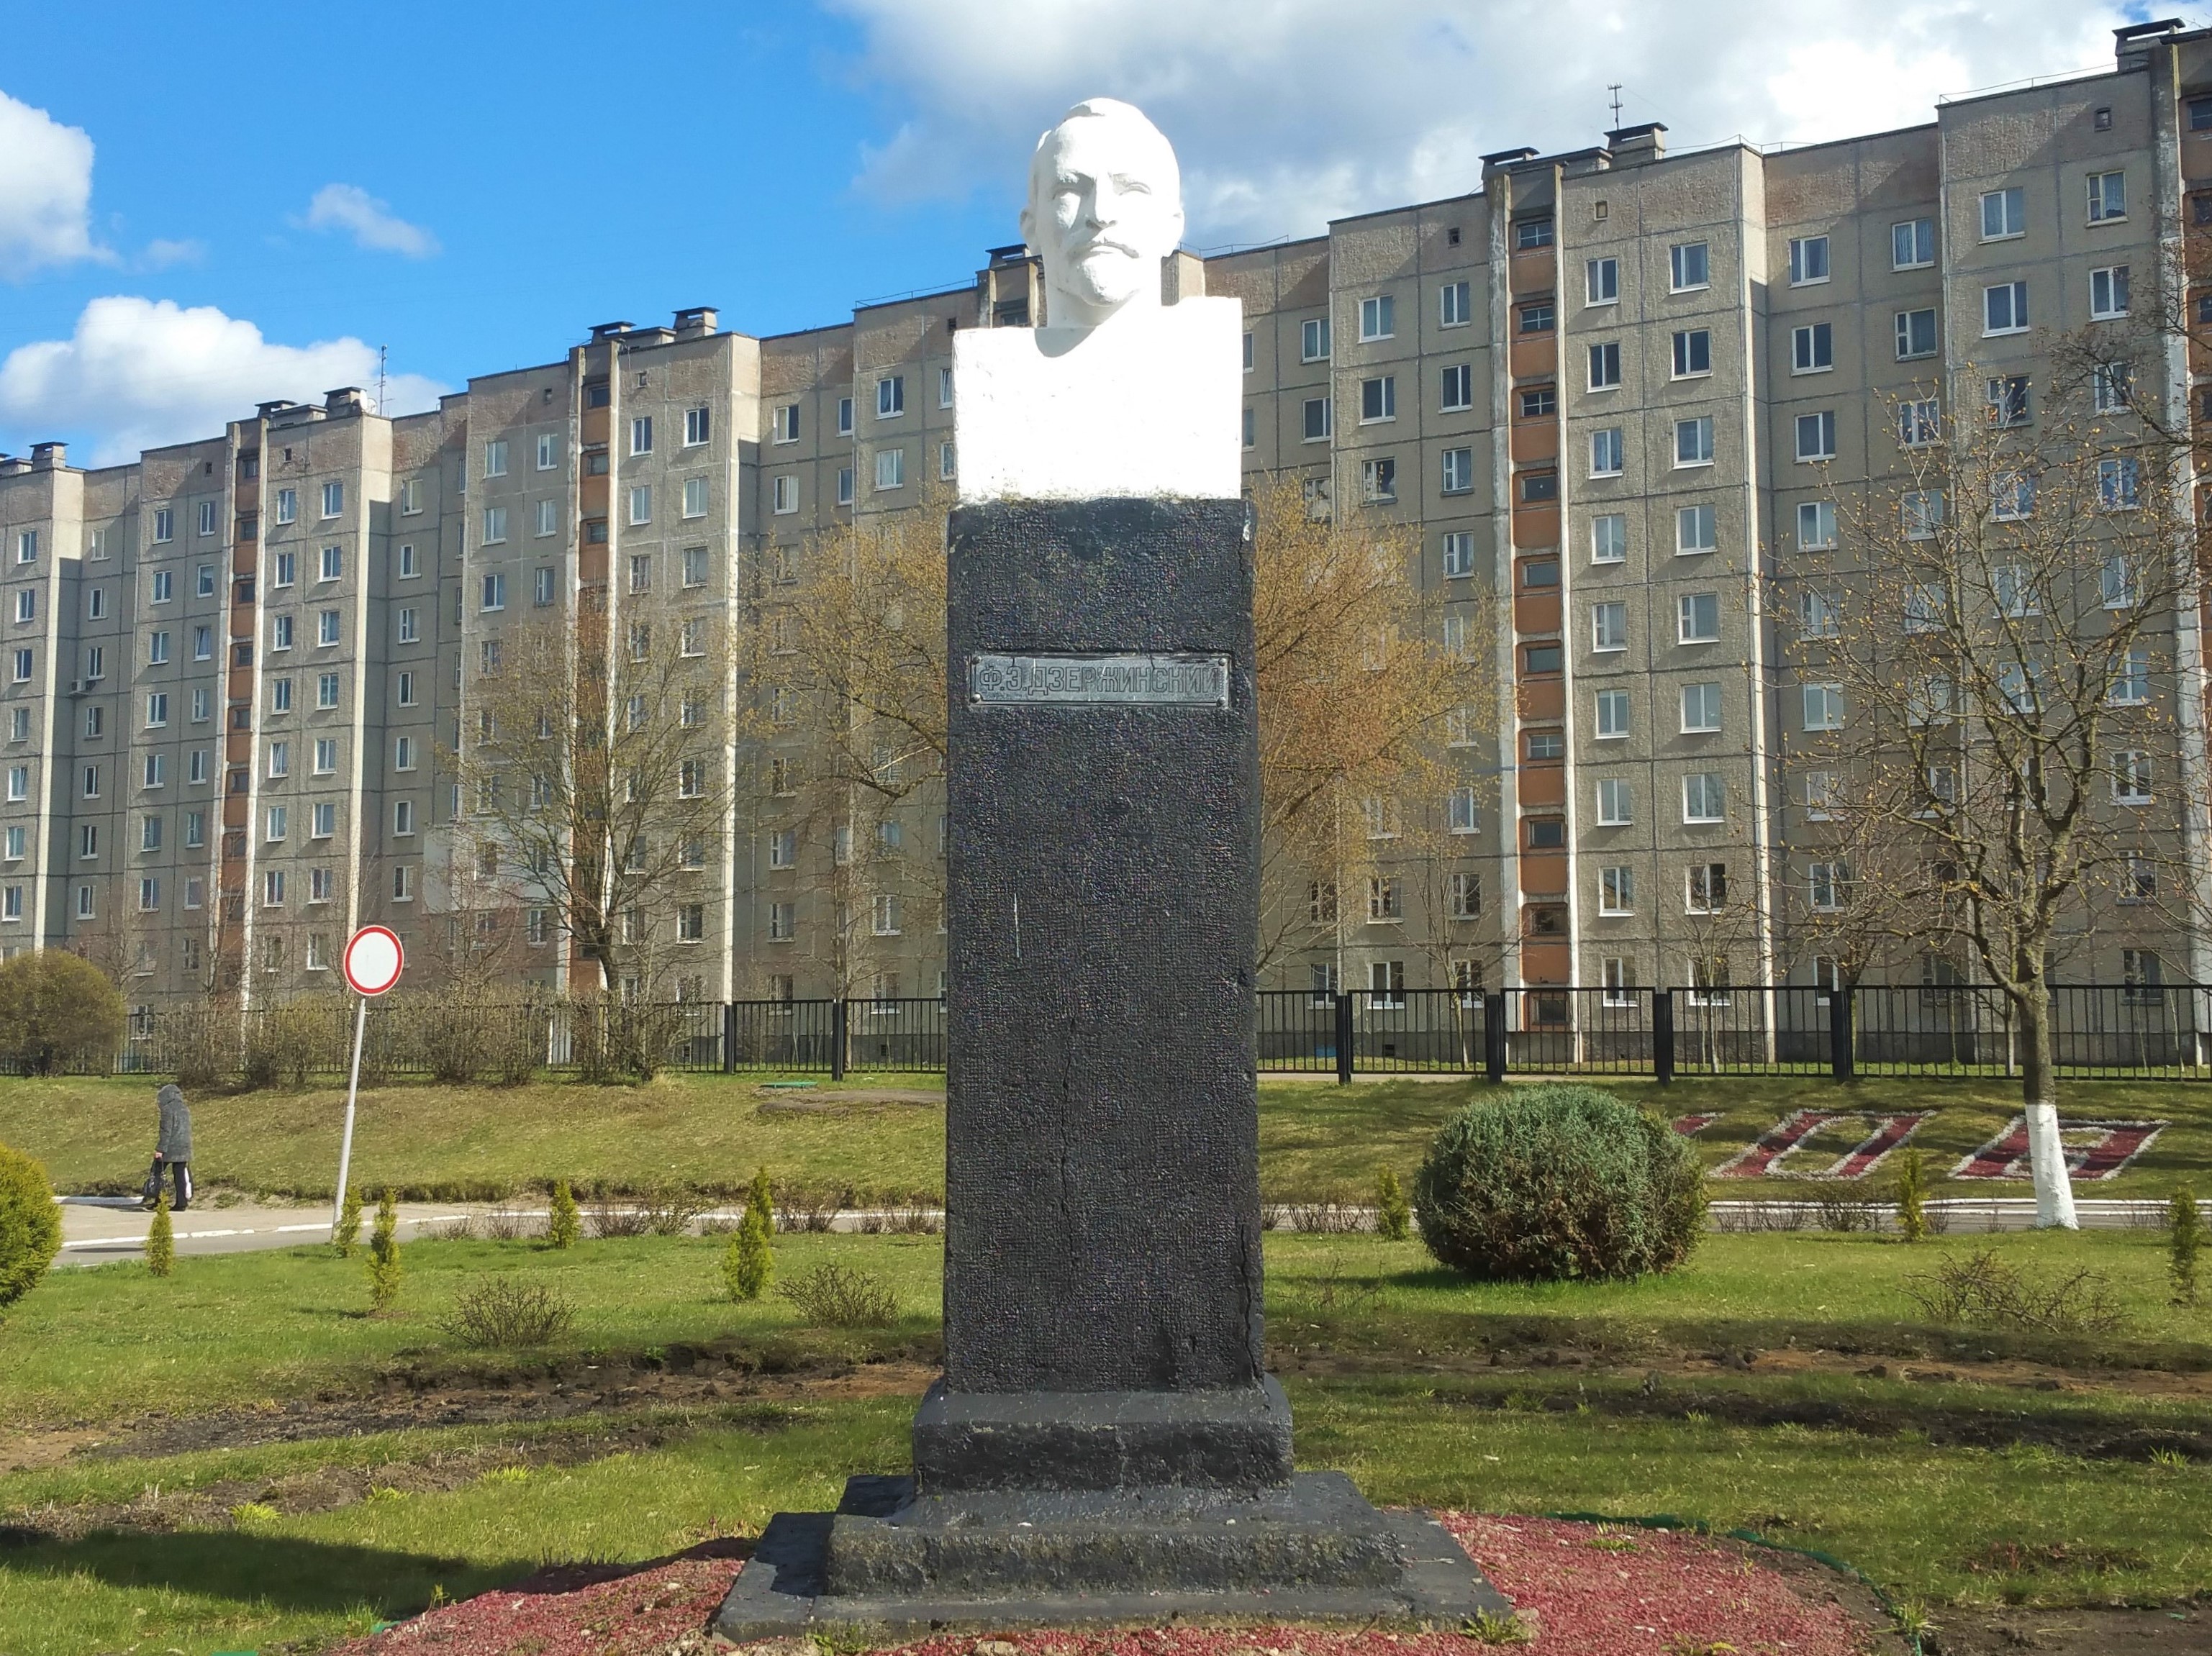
1105	208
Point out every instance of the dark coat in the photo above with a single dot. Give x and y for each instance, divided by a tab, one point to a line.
176	1141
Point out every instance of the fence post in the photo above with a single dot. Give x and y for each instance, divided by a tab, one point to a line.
1663	1036
1840	1011
1344	1037
837	1038
1493	1035
729	1036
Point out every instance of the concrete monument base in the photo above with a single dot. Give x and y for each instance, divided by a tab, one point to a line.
891	1563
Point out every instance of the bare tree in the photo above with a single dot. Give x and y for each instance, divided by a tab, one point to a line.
593	777
1360	690
1992	674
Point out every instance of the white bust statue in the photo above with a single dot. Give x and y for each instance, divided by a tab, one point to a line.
1105	207
1116	394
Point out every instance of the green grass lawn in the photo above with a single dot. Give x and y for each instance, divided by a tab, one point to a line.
709	1132
1783	1382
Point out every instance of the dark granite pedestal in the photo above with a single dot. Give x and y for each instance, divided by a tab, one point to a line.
1104	1445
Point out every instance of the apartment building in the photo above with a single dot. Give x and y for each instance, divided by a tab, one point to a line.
1620	397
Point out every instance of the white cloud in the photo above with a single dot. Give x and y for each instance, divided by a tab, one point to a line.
1288	113
140	372
46	191
371	222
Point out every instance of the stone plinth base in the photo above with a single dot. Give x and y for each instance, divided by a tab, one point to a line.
1224	1438
891	1563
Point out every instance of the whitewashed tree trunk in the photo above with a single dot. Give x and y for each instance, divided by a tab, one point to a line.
2046	1152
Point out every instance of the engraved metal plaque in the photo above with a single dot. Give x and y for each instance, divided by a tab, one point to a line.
1172	681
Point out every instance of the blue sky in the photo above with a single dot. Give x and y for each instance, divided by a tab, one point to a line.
779	161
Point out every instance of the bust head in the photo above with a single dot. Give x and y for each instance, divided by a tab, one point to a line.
1105	207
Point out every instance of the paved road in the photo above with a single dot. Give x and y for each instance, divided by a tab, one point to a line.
97	1228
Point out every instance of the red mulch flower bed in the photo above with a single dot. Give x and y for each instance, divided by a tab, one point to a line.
1590	1591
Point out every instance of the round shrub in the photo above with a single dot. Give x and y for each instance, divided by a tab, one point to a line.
30	1225
58	1012
1559	1182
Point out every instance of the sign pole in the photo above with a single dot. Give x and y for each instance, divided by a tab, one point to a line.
345	1144
373	960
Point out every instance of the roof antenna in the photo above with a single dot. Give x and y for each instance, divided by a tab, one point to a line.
1615	89
380	379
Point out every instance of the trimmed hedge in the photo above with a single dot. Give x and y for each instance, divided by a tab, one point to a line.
1559	1182
30	1225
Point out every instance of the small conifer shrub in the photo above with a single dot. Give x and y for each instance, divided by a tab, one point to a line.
383	1253
2185	1241
161	1239
749	1260
1393	1214
1912	1197
346	1238
563	1226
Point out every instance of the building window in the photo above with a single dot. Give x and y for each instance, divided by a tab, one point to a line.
1378	399
208	517
1616	803
890	469
1920	422
1459	552
890	396
1317	420
1816	436
1823	706
548	451
1705	888
495	464
1920	513
1913	244
948	461
698	423
1696	530
1378	318
844	416
1693	441
1384	902
2108	197
1458	394
1537	318
2004	214
403	884
1688	266
2108	293
1313	339
641	434
1612	714
165	528
1378	481
1463	895
844	486
1809	260
1602	280
884	915
1605	366
1701	709
2005	308
1699	618
1461	814
333	499
695	497
1694	353
1609	626
1539	487
1916	334
1616	891
1458	470
1607	452
2117	483
1609	538
2131	778
1813	348
1455	304
2110	385
783	494
1531	233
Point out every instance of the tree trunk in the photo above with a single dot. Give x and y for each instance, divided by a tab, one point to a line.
2046	1152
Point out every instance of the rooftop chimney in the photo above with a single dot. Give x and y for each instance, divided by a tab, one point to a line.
1509	157
13	465
2132	44
699	319
345	400
608	330
50	456
1633	146
276	406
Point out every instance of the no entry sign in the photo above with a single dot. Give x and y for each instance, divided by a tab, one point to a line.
373	959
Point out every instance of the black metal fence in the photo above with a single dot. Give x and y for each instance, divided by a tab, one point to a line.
2117	1031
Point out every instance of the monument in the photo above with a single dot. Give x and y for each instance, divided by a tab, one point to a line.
1105	1444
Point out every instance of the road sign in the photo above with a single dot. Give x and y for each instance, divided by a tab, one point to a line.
373	959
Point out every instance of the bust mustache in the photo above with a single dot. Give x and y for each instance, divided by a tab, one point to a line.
1105	207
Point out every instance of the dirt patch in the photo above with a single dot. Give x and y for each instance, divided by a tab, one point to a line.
404	1399
2186	1630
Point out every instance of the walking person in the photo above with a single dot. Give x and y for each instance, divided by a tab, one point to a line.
174	1149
